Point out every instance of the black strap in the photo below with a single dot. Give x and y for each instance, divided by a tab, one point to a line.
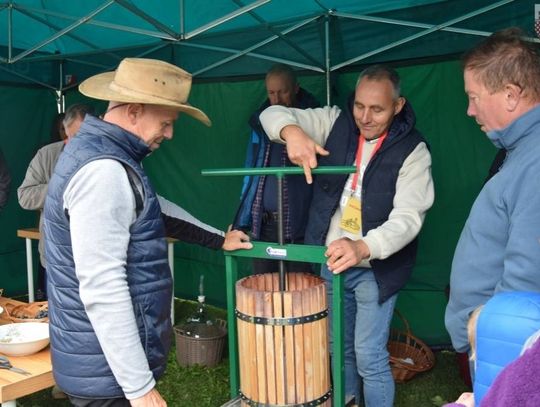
139	203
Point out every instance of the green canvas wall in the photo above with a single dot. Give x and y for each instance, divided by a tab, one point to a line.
25	116
461	156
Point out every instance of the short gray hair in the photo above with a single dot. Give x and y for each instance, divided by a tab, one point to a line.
77	111
283	70
380	72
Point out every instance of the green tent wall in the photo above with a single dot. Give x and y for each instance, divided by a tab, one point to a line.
25	115
461	156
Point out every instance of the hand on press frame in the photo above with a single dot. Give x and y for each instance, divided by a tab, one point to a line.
236	239
301	149
344	253
150	399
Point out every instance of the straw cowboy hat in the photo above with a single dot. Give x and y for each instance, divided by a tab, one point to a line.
148	81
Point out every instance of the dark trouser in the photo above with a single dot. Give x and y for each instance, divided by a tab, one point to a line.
41	290
269	233
79	402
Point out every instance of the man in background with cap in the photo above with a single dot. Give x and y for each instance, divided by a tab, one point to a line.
110	285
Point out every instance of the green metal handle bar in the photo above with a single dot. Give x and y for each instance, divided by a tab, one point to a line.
291	252
279	171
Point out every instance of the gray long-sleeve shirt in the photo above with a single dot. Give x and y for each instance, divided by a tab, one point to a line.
33	190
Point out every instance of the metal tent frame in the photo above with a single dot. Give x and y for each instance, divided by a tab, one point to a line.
322	17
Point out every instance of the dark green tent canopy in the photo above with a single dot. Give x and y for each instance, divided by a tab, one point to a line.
57	43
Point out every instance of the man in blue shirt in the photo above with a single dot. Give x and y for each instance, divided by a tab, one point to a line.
499	247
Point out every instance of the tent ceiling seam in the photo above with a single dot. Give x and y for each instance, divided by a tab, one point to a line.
20	75
62	32
145	16
406	23
69	34
324	8
98	23
261	20
153	49
88	63
251	54
277	25
225	18
255	46
423	33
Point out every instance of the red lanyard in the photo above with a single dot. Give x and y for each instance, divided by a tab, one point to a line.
361	141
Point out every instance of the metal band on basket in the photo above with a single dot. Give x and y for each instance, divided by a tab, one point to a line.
325	397
282	321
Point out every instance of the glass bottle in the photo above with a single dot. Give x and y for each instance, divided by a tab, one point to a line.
200	324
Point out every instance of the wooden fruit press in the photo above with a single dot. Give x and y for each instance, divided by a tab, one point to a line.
277	326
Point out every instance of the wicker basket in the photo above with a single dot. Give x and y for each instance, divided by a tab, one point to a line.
200	351
17	312
408	354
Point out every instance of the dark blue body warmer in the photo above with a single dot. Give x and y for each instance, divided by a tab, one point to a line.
378	190
79	365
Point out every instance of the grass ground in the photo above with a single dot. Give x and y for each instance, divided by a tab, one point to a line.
209	387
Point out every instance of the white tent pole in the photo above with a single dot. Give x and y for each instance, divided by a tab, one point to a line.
60	100
61	77
10	30
327	56
182	19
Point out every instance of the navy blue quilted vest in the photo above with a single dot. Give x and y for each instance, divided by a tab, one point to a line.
79	366
378	190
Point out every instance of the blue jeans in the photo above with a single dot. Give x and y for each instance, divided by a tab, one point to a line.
365	340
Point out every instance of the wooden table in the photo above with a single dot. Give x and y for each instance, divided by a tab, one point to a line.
15	385
34	234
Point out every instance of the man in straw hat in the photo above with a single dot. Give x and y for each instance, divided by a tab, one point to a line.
110	285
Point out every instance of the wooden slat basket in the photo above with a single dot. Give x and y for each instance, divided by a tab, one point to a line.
283	341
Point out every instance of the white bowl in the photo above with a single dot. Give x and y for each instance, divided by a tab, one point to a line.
23	338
